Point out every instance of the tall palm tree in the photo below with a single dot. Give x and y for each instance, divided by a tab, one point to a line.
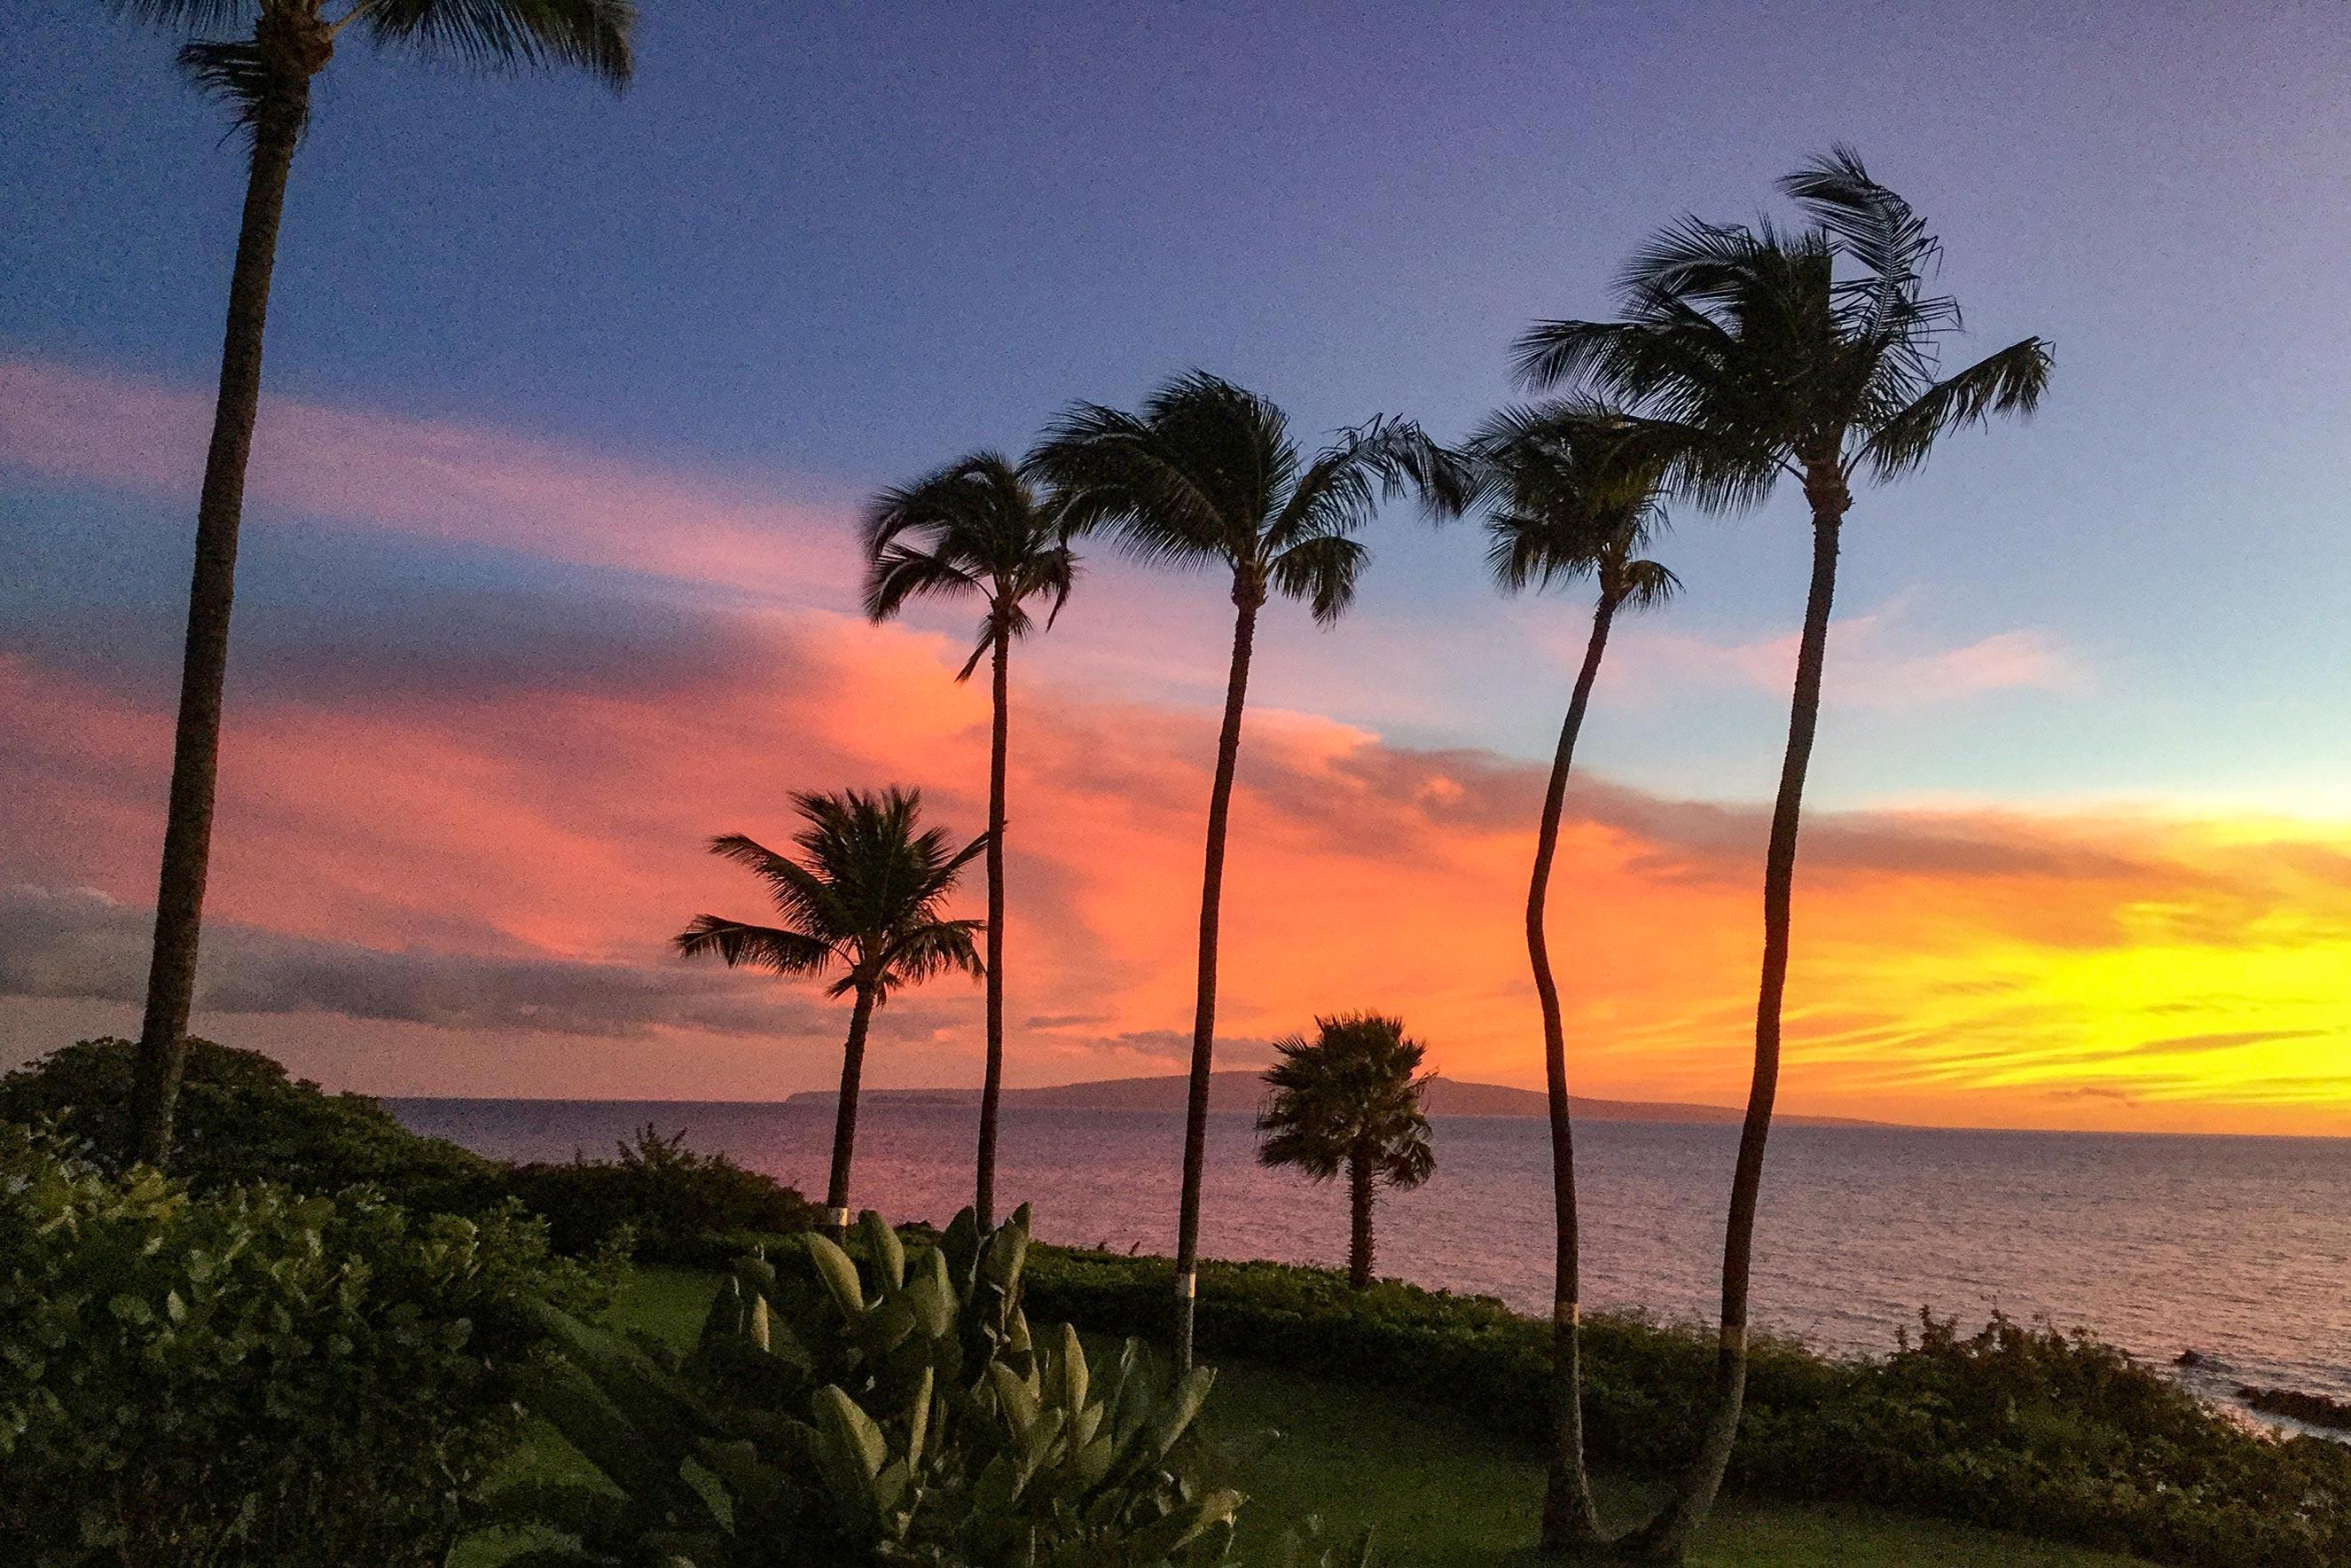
1209	475
1350	1100
864	898
975	528
1563	503
1747	354
264	77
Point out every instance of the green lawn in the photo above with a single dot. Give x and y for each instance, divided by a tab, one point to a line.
1437	1491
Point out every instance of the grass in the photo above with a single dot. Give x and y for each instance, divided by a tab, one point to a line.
1436	1491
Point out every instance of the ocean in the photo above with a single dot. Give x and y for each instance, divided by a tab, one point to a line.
2239	1249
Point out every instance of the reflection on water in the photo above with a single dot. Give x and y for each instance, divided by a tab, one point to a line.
2237	1247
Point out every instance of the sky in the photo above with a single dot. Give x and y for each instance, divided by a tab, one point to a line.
572	398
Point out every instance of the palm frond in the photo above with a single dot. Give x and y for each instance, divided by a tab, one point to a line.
2009	382
798	894
1324	571
900	572
191	15
1876	227
234	73
592	36
739	944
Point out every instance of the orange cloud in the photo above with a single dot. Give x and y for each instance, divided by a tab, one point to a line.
1961	966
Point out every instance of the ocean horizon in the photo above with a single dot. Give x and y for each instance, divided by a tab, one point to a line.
2235	1246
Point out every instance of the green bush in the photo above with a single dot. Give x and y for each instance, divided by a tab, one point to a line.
241	1119
252	1376
684	1208
2018	1427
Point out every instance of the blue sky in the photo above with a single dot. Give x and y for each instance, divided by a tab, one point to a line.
824	249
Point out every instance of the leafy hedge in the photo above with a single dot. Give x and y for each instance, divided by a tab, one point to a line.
243	1119
680	1206
252	1376
2019	1427
240	1118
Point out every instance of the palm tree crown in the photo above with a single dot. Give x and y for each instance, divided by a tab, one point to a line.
1353	1092
974	527
291	40
1208	472
1563	502
864	898
1748	352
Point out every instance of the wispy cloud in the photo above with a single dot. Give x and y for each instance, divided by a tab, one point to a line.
429	478
1875	661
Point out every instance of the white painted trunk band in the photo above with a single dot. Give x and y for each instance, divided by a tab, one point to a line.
1187	1286
1568	1312
839	1218
1734	1336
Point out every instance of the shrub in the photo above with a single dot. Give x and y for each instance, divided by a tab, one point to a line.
683	1206
252	1376
893	1413
241	1119
2019	1427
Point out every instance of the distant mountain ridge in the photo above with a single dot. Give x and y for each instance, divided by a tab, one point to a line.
1241	1090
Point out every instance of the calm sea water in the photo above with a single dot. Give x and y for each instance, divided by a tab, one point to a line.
2237	1248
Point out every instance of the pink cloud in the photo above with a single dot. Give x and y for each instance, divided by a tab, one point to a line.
430	479
1871	663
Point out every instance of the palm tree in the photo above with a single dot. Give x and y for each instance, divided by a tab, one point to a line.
983	531
1350	1100
265	80
864	898
1208	475
1746	354
1562	504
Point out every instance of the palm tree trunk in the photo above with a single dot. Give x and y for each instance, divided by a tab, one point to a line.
845	1116
1246	600
991	1090
1667	1538
1359	1234
1569	1517
204	666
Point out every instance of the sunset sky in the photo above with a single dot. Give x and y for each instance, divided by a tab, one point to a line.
549	572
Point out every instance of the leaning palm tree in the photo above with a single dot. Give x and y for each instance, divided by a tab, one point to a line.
1350	1100
1209	475
975	528
264	77
864	898
1747	354
1564	503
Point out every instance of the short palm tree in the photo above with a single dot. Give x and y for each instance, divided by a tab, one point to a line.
1562	505
864	898
1350	1100
976	528
264	77
1208	475
1746	355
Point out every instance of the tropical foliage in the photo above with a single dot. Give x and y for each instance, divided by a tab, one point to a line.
252	1376
866	900
1744	355
1209	475
263	79
1349	1101
896	1410
977	528
1566	499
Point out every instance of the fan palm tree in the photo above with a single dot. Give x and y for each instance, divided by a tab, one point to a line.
1208	475
264	77
864	898
1562	505
975	528
1350	1100
1747	354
